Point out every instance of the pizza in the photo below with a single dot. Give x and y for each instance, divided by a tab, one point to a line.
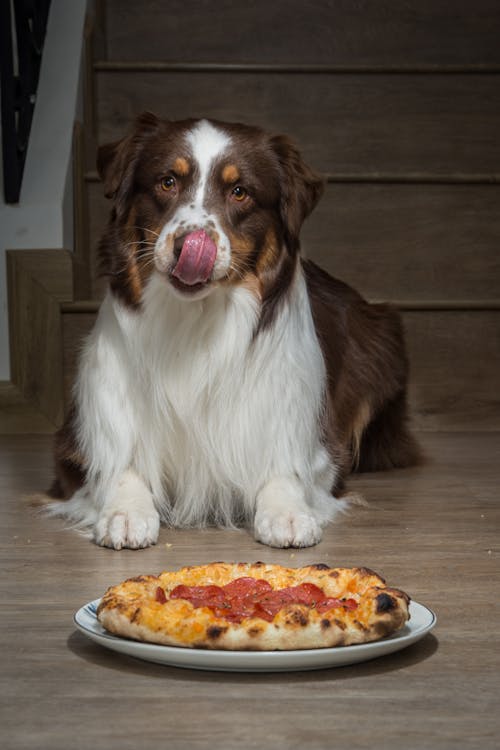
255	606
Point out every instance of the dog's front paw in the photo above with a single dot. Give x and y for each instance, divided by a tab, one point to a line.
128	518
127	528
289	529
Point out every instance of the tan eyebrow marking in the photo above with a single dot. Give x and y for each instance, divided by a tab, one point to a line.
230	173
181	166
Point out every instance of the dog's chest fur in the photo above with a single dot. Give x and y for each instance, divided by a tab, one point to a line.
211	403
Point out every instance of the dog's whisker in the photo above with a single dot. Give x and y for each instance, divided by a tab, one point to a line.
240	270
237	273
146	229
146	260
139	242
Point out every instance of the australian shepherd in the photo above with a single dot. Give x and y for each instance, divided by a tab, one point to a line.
227	379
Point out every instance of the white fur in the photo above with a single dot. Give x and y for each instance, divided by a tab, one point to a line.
206	143
283	517
129	518
185	417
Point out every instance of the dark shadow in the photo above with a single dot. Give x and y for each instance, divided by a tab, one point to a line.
103	657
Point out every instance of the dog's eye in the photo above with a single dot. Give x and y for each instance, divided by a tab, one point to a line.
239	193
168	183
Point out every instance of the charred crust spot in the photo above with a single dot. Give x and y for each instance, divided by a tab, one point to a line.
340	624
253	632
215	631
361	626
325	624
385	603
297	617
135	615
141	579
334	574
320	566
402	594
367	572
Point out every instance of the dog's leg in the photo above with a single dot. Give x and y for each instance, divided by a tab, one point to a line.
282	516
128	517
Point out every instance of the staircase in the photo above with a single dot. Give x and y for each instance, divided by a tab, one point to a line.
397	103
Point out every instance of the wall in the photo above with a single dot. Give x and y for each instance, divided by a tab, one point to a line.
43	218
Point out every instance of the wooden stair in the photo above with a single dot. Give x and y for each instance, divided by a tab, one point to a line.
396	104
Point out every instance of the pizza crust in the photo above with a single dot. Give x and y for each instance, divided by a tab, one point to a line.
131	610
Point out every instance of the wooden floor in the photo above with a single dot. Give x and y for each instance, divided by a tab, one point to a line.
433	531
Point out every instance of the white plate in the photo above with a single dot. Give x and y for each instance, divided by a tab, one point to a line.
422	620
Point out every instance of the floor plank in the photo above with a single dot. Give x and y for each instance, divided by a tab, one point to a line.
19	416
431	530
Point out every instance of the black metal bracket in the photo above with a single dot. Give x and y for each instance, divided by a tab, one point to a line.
22	33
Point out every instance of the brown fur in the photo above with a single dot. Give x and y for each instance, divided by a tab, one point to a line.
365	420
69	463
367	368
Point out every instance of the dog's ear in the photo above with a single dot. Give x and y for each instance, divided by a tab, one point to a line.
301	187
116	161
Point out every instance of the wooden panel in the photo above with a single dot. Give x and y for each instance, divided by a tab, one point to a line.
395	242
432	530
38	281
455	366
344	123
409	242
319	31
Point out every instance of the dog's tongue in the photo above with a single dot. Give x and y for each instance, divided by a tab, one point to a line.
197	258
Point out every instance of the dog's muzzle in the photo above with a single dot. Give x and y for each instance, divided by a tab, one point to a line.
195	255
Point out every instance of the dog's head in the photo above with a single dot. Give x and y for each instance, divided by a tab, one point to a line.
204	204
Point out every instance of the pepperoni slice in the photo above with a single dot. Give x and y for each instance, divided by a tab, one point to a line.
246	586
252	597
200	596
350	603
160	595
308	593
197	592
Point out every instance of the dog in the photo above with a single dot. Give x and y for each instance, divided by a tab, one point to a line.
228	380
